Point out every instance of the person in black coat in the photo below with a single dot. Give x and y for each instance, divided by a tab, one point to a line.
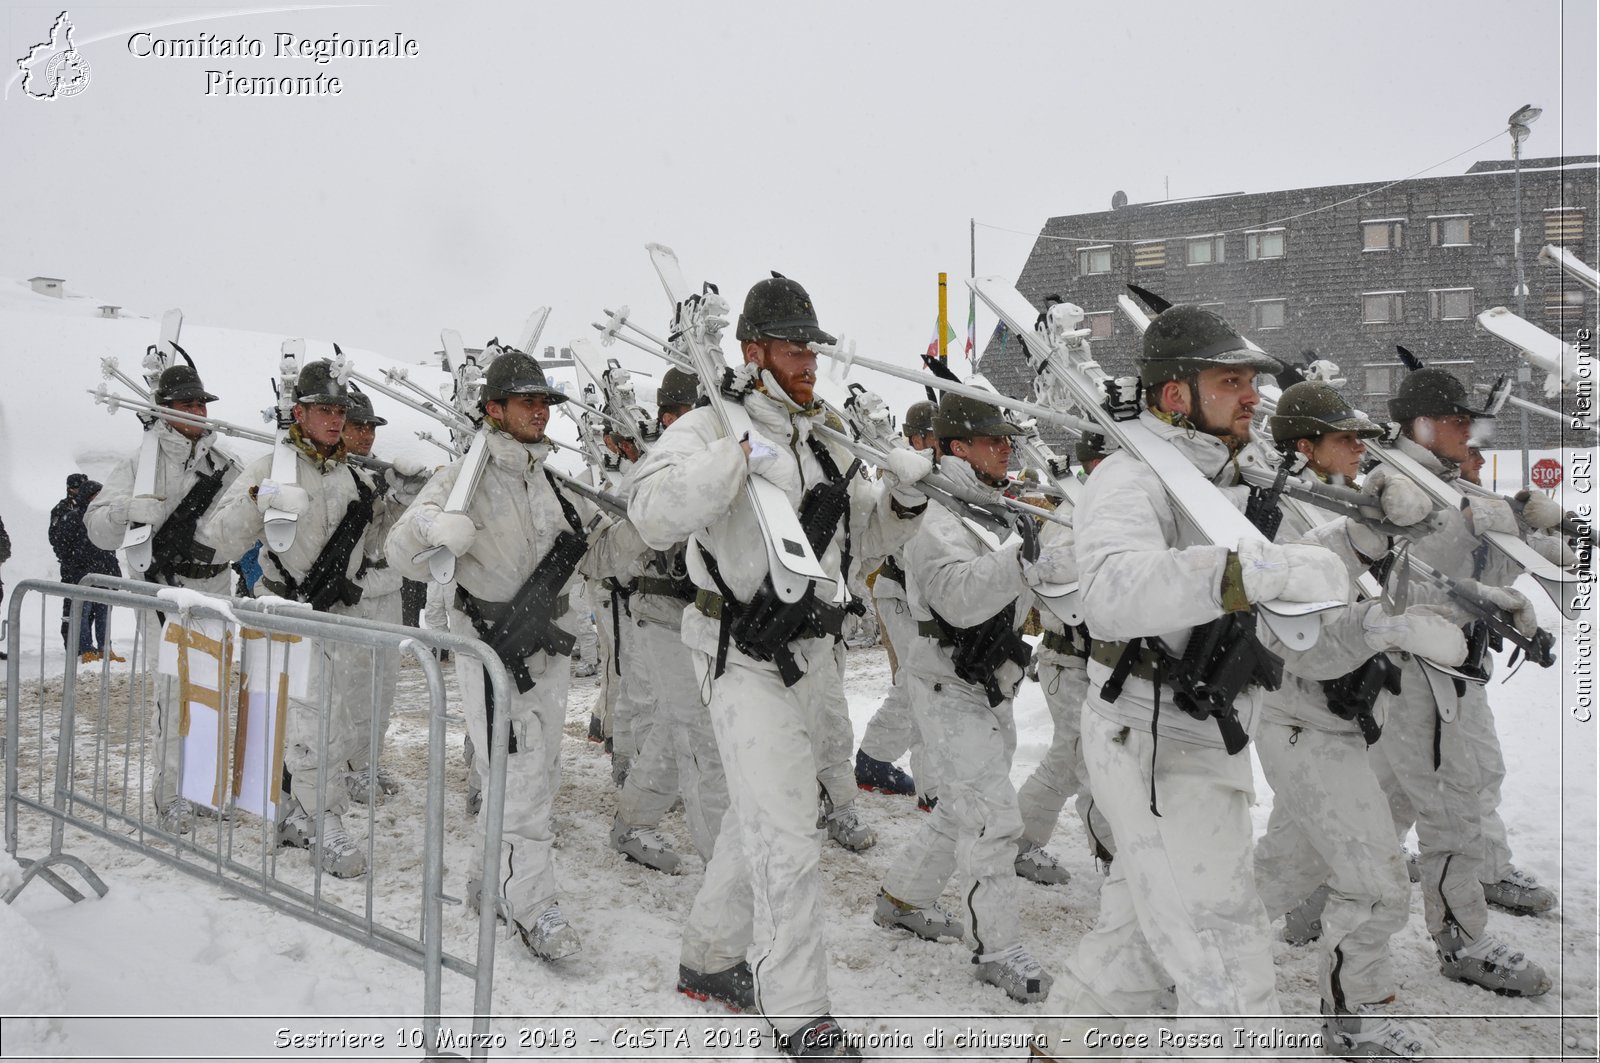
5	555
80	557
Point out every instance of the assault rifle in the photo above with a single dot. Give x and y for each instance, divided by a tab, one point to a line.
527	624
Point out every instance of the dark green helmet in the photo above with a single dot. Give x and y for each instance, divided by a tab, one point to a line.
1431	393
515	373
1312	408
919	418
361	411
181	383
1182	340
1090	447
319	386
779	308
678	388
962	418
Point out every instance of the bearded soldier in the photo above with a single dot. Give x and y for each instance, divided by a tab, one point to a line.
1180	905
759	914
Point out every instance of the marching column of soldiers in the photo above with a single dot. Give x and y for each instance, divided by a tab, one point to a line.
734	702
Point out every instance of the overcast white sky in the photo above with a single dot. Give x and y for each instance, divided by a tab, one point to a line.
531	149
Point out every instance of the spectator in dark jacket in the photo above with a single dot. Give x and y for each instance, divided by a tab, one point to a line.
5	555
79	557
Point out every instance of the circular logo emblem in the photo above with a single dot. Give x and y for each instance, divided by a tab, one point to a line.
67	73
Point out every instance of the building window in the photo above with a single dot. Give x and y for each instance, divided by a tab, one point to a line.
1093	260
1449	304
1384	234
1205	250
1380	379
1563	225
1264	243
1566	308
1268	313
1099	325
1451	230
1382	308
1150	255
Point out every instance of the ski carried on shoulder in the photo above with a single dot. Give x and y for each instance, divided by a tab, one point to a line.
698	322
1558	358
1058	350
468	375
279	525
136	544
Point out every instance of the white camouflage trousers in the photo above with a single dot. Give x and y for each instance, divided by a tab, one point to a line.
1061	773
761	897
1182	887
322	735
974	828
526	872
380	667
680	755
1446	801
1330	823
893	730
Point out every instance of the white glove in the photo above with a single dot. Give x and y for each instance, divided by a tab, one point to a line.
1294	573
453	531
1514	602
964	483
763	454
1540	512
1553	549
144	509
410	468
1367	543
1403	502
270	494
1057	565
1490	515
907	466
1418	630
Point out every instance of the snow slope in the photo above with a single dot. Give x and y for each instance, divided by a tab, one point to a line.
108	978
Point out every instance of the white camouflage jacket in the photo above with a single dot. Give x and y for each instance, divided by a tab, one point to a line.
179	467
235	523
1138	575
690	486
518	518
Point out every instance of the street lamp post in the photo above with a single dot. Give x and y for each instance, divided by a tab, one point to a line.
1518	124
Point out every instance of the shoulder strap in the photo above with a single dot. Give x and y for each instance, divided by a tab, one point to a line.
568	510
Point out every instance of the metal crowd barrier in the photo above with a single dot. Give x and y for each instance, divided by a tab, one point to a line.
100	776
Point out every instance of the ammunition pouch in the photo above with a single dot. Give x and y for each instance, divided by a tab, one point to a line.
979	652
1351	696
173	551
526	625
764	627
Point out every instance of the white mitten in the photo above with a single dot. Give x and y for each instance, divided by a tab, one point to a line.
907	466
144	509
1514	602
763	453
1490	515
1417	630
1295	573
1367	543
1403	502
1056	565
1540	512
270	494
1553	549
453	531
964	483
410	468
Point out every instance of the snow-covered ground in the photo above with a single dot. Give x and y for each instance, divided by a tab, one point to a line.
168	967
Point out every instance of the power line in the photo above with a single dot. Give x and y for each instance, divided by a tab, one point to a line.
1252	225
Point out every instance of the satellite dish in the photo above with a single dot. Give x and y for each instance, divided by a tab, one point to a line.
1119	199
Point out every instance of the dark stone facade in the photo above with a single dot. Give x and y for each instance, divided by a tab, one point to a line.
1453	259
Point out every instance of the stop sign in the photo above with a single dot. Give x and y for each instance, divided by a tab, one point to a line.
1545	474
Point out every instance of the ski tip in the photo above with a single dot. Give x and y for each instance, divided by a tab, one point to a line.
660	249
